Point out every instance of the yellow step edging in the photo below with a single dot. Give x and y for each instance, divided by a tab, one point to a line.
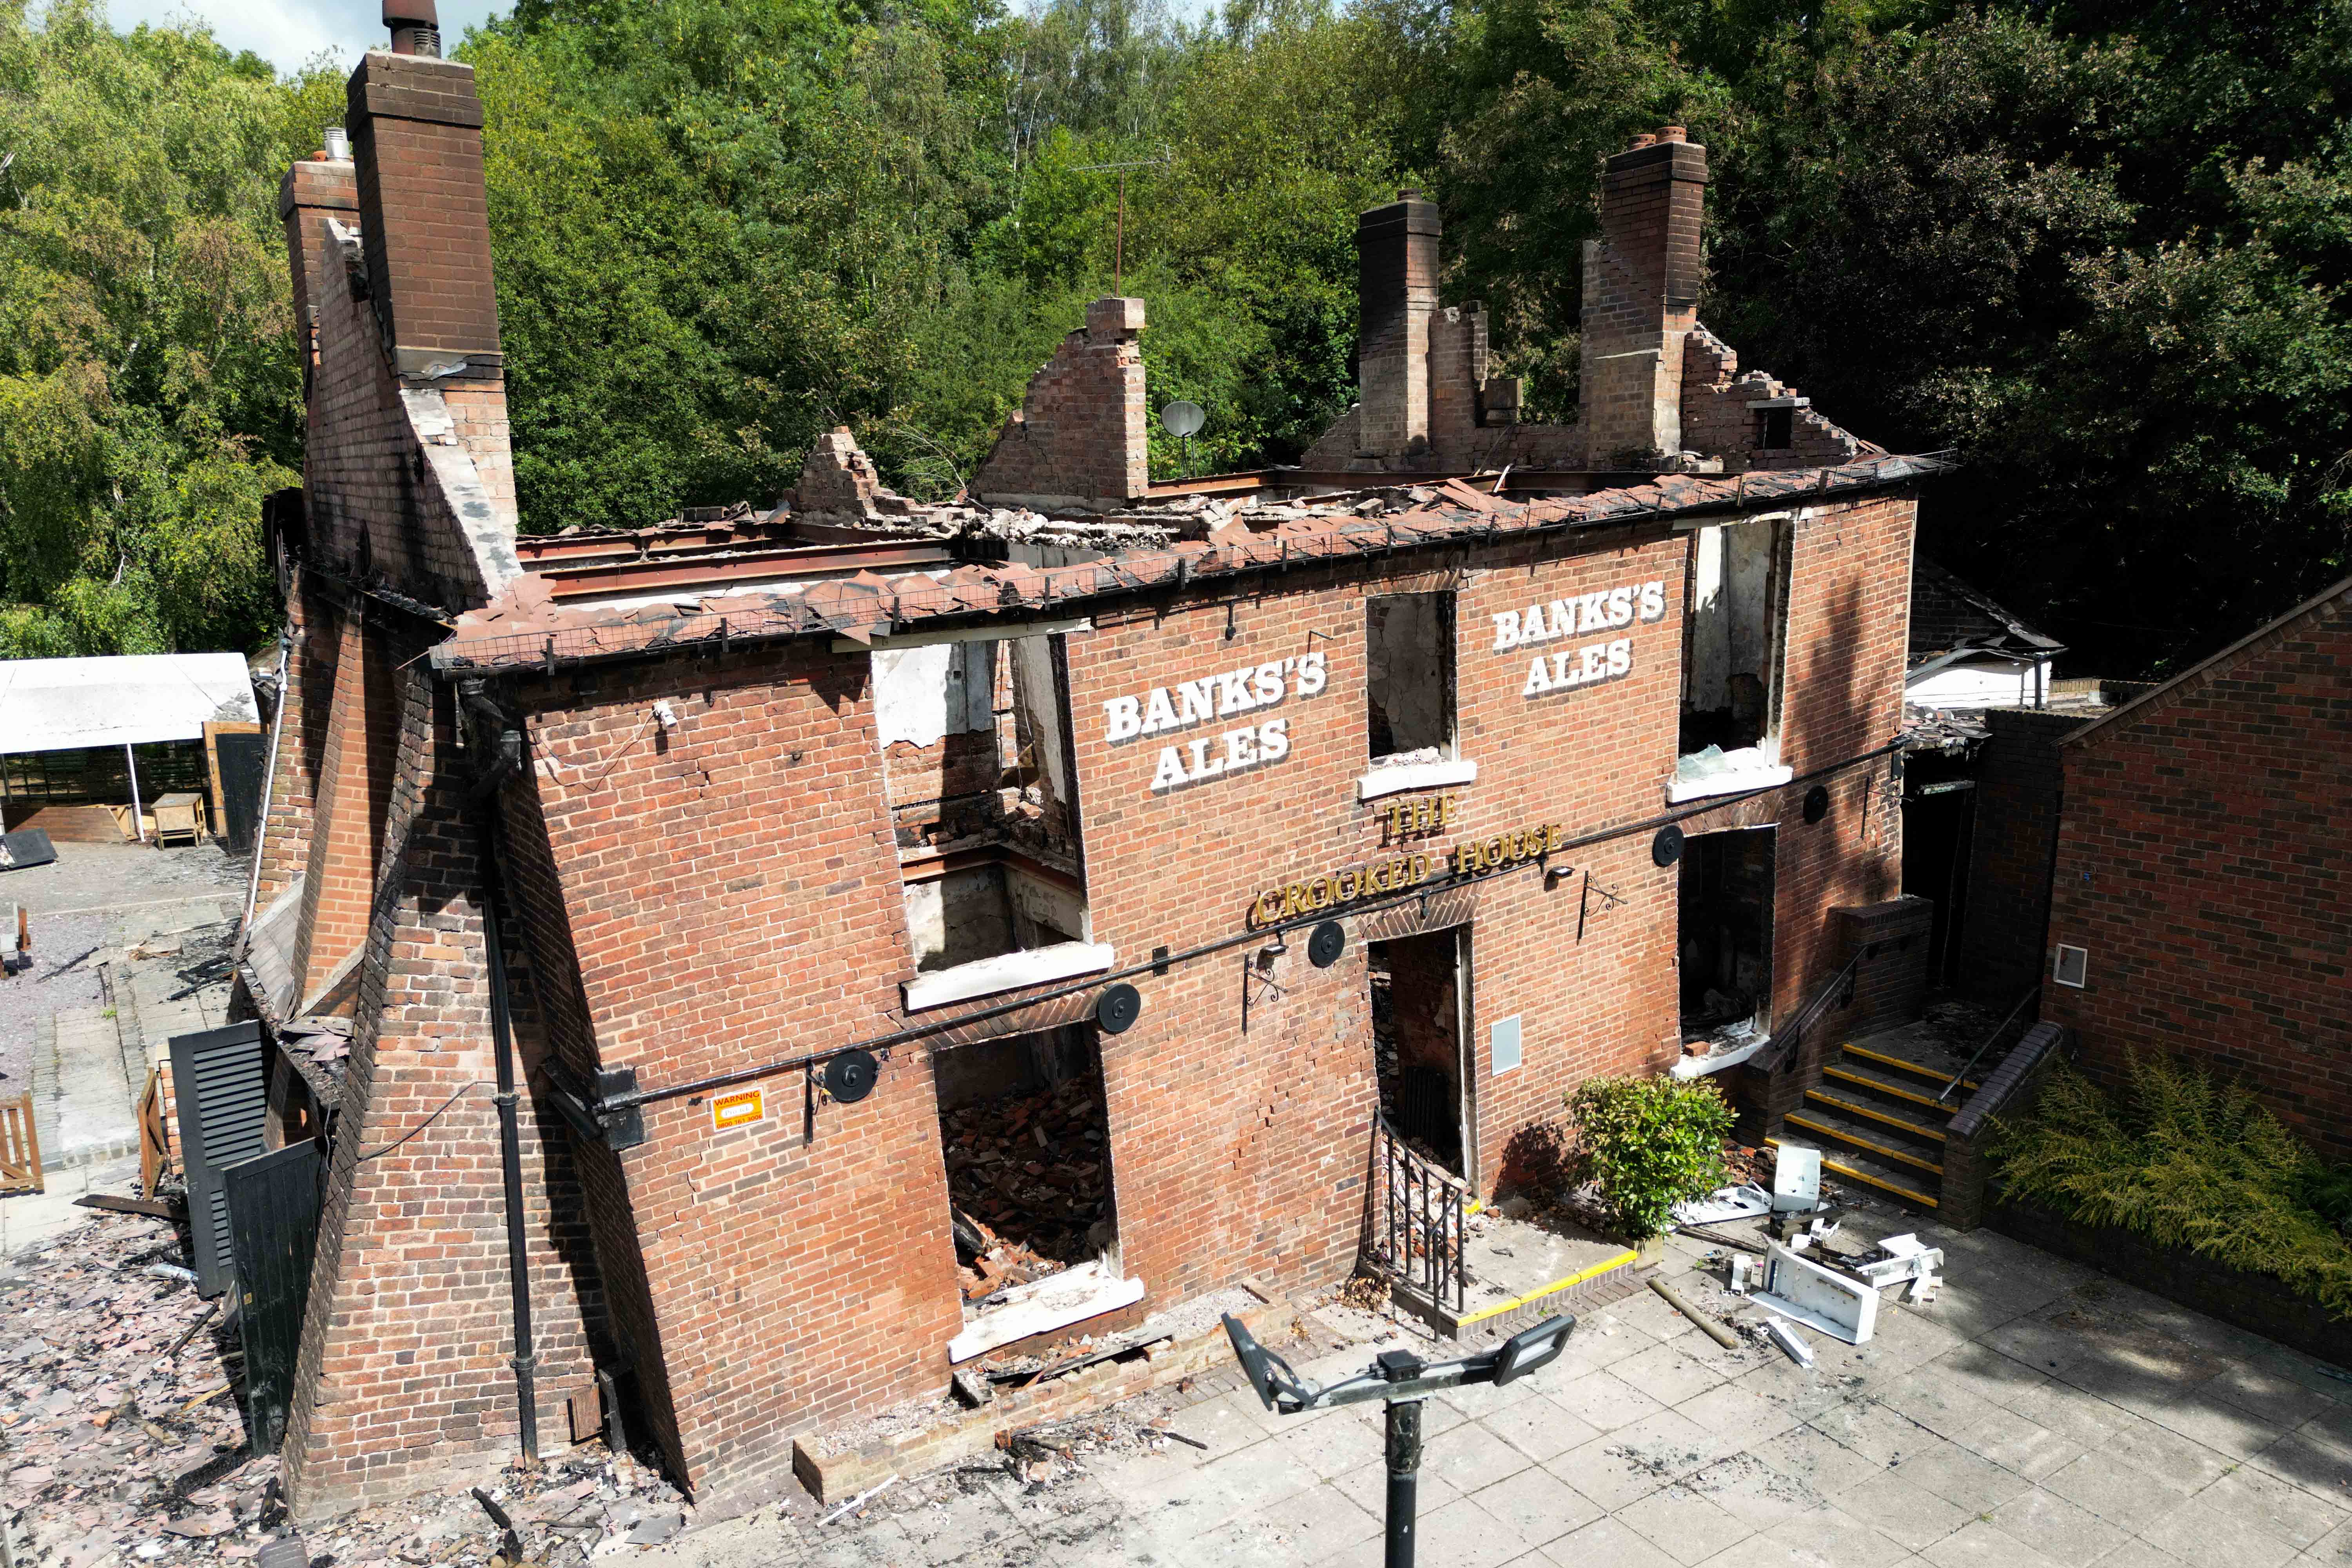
1857	1107
1866	1179
1881	1149
1537	1294
1900	1093
1883	1059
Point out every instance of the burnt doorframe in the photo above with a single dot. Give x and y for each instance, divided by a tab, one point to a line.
1466	1059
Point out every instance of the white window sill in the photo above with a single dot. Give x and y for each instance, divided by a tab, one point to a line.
1044	1305
1699	1067
1005	972
1415	775
1729	781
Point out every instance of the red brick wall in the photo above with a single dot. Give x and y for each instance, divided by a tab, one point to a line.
311	189
1640	294
2202	860
357	762
403	1380
728	893
732	892
1082	429
416	138
284	846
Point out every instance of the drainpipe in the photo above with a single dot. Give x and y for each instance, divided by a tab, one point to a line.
484	794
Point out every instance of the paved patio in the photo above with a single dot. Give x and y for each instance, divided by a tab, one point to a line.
2037	1414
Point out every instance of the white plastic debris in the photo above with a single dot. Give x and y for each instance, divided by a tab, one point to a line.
1723	1203
1910	1260
1798	1287
1797	1181
1789	1341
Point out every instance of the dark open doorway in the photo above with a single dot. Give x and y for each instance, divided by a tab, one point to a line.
1026	1138
1417	1033
1725	935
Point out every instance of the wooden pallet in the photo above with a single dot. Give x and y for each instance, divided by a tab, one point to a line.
20	1149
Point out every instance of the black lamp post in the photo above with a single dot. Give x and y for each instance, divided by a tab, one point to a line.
1404	1380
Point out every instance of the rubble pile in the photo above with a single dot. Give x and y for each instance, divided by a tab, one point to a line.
125	1441
1027	1174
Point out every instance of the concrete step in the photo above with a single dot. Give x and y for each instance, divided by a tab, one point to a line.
1866	1137
1903	1067
1899	1182
1895	1092
1900	1117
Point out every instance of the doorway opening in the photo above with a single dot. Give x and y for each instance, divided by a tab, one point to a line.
1725	936
1026	1132
1417	1035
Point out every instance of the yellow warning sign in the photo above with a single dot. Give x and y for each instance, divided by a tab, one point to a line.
736	1110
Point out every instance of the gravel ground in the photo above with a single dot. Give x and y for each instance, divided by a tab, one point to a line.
110	876
65	952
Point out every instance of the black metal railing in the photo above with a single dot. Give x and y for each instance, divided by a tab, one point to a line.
1419	1220
1831	996
2019	1019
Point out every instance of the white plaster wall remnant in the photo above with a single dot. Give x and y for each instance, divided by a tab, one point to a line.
1707	686
1005	972
486	523
1048	905
1981	684
1038	696
924	694
959	917
1748	575
1409	655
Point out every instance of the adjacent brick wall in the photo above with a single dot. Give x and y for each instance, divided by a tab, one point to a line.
2019	777
2203	861
1083	430
283	846
404	1381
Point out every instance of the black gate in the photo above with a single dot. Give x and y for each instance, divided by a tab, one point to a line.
242	757
221	1080
273	1221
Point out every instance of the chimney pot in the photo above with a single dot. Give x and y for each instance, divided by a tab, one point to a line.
339	143
1644	140
1673	133
415	28
1409	193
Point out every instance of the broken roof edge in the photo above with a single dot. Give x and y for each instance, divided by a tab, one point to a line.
2339	593
867	607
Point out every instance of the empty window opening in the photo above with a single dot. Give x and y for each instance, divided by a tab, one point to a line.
1007	903
1417	1043
1026	1138
1409	663
975	744
1773	428
1725	936
1732	654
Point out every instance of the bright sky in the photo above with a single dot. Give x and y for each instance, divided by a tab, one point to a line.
287	33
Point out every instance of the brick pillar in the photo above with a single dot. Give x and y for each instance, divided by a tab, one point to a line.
1640	299
1396	259
317	188
416	140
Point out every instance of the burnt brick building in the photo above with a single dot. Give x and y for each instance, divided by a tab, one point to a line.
790	846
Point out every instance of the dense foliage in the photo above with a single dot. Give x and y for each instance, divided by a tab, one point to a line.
2100	248
2187	1160
1648	1144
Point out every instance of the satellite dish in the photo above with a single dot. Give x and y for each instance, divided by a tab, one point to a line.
1182	420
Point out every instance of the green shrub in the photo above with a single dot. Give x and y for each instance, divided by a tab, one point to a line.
1650	1144
2187	1160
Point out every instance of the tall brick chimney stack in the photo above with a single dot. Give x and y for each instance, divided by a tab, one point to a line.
416	138
1396	257
1640	299
319	187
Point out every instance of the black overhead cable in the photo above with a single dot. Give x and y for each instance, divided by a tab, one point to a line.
634	1099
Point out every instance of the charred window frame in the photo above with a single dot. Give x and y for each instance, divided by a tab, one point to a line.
1409	677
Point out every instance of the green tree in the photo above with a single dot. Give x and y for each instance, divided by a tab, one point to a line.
150	379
